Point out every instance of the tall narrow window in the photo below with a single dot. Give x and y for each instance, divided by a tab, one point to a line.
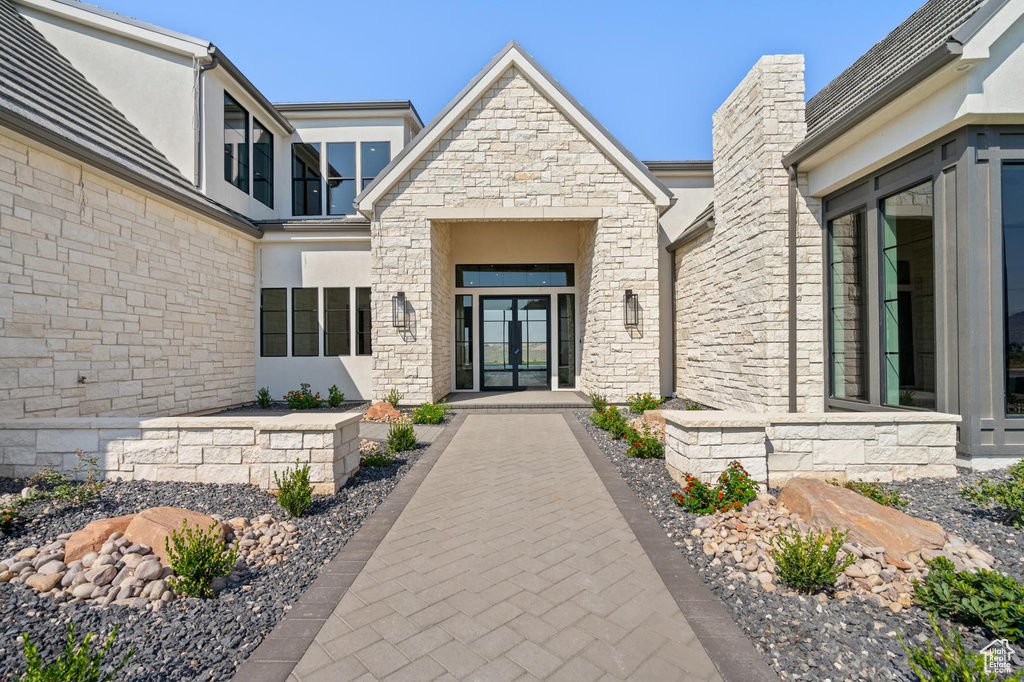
236	144
337	322
305	326
341	177
306	190
364	326
262	164
847	340
375	155
908	276
567	340
464	342
273	323
1013	278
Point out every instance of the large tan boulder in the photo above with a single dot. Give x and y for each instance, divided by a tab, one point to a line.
383	412
822	505
152	526
93	536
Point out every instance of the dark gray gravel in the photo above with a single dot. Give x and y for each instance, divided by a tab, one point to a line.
801	637
281	407
188	639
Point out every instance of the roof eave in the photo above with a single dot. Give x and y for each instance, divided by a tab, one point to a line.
935	60
251	89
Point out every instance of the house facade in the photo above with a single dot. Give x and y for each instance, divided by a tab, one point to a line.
171	240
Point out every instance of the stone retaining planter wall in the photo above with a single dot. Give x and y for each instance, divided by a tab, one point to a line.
872	446
201	449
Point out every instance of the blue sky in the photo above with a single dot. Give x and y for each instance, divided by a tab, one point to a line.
651	72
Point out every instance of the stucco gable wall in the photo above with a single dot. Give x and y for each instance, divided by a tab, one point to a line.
513	149
154	307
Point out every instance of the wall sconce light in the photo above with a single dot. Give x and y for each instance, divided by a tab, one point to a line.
631	309
399	313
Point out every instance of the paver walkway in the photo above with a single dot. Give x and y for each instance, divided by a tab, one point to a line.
511	561
425	433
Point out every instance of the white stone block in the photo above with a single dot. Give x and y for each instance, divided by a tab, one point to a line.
233	436
846	432
896	455
285	440
222	454
150	472
67	440
709	437
195	436
151	452
312	440
22	437
222	473
927	434
839	452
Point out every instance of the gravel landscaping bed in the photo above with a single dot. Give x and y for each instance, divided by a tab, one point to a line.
188	639
277	408
816	638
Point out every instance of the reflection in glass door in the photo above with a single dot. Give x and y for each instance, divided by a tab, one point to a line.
515	342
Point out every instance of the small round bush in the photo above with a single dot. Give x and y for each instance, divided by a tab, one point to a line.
809	563
401	437
198	556
294	493
644	445
430	413
334	396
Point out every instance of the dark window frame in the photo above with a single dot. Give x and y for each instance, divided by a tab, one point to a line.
364	313
566	313
1006	315
307	180
233	165
260	179
346	312
354	179
316	322
263	316
464	324
862	277
506	272
364	179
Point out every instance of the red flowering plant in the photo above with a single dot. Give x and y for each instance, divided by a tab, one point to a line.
644	445
611	420
734	489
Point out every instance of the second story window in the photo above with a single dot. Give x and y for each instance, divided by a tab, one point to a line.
306	190
236	144
341	177
375	155
262	164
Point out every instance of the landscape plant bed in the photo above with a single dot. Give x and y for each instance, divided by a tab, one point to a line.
817	637
188	639
282	407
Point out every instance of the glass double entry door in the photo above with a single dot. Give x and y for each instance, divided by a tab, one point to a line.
515	343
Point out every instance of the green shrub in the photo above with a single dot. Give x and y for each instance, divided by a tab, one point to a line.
294	493
197	557
401	437
873	491
806	563
302	399
639	403
263	398
987	598
1008	494
393	397
598	402
75	664
334	396
430	413
9	515
378	458
611	420
690	405
62	490
644	445
949	661
734	489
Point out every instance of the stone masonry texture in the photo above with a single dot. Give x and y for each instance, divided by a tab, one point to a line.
153	306
514	148
732	314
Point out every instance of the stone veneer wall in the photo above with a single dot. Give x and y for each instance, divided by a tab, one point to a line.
153	306
514	149
201	449
732	312
871	446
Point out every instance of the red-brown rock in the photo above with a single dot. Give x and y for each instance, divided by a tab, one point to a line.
383	412
152	526
92	537
823	506
655	417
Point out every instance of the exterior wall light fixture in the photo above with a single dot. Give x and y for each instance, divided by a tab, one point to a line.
631	308
399	311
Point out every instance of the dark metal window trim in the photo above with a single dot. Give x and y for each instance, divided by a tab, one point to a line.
316	314
1005	312
360	312
829	300
464	316
231	161
318	180
268	179
345	333
328	178
263	332
364	180
569	269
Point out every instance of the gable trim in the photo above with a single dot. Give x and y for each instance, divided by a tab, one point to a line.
513	56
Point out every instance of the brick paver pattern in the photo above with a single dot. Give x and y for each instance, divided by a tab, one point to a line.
511	562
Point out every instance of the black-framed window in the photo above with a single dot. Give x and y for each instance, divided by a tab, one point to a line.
364	324
305	323
847	303
1013	285
341	177
262	164
337	321
273	323
534	275
236	144
464	341
567	340
908	298
306	179
374	157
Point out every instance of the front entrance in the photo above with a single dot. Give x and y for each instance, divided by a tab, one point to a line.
515	342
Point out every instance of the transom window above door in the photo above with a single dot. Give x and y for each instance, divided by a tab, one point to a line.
537	275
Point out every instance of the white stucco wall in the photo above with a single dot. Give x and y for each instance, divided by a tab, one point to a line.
313	260
990	91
